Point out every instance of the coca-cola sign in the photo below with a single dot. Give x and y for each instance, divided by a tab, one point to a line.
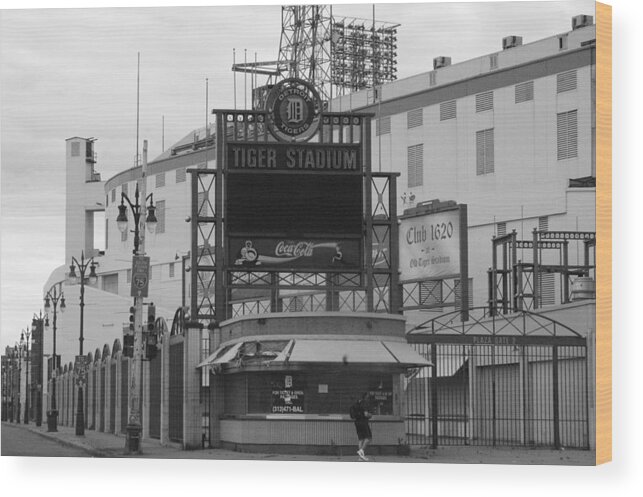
313	254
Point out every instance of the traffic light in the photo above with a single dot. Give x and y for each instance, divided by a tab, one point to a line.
128	335
128	345
150	338
150	346
151	317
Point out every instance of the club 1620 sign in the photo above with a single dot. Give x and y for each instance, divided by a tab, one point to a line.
430	246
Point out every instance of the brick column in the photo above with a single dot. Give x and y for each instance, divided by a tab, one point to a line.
191	386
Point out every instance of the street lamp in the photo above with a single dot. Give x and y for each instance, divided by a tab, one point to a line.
150	220
92	278
27	389
54	295
17	350
132	443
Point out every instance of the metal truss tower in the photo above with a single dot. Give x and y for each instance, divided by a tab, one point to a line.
336	55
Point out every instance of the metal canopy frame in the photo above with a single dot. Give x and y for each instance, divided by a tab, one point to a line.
515	284
520	328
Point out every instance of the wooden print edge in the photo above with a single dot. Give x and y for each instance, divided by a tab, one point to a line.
603	233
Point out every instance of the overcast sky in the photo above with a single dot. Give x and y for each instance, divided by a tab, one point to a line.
72	72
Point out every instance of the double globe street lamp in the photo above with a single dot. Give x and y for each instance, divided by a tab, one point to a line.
80	366
54	295
134	424
26	333
17	352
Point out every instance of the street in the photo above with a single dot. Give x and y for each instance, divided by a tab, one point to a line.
21	442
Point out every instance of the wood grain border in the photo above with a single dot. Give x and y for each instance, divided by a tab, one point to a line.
603	233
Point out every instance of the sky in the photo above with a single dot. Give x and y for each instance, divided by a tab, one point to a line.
73	72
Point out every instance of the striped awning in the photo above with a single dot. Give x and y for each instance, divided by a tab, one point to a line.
319	351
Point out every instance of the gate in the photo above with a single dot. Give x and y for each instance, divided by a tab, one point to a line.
101	408
112	397
94	399
504	380
155	397
124	392
176	391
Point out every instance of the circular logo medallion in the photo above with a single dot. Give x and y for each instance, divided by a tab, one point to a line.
293	109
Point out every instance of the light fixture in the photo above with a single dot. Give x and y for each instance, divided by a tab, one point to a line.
121	220
62	304
47	304
151	220
93	278
73	279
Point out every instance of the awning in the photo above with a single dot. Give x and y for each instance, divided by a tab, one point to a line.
311	351
222	355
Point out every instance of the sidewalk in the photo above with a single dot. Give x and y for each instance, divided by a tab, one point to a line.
98	444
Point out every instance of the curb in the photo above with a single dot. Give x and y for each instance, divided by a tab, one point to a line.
93	452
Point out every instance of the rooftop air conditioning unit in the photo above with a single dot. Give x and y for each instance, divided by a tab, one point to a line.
439	62
582	21
511	41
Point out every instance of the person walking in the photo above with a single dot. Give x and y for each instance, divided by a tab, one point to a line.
360	414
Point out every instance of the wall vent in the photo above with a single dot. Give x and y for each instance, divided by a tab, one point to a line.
582	21
439	62
511	42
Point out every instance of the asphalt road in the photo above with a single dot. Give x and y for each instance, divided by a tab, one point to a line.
20	442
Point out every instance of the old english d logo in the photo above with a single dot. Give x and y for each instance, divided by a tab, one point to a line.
293	109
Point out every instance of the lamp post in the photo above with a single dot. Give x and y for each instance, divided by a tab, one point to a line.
5	386
18	351
82	268
12	383
54	295
27	389
132	443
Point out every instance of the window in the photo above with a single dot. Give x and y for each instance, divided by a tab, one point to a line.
501	228
124	236
432	78
110	283
106	200
180	175
129	276
524	92
106	234
547	288
430	292
415	157
414	118
75	149
484	152
171	270
319	393
566	81
448	110
484	101
124	188
160	216
383	126
493	61
562	42
543	223
567	134
160	180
